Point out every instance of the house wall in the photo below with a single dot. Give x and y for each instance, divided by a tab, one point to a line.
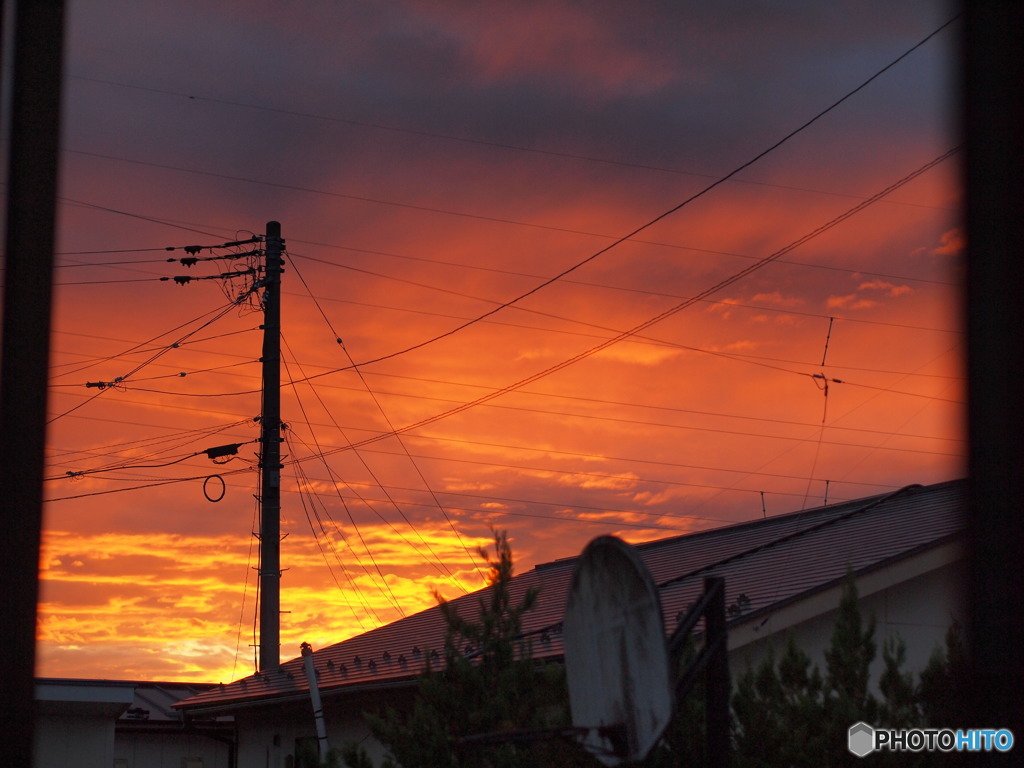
74	723
267	735
168	750
918	610
83	741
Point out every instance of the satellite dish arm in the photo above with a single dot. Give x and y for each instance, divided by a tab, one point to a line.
713	658
714	589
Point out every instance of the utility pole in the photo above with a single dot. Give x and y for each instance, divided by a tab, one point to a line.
270	455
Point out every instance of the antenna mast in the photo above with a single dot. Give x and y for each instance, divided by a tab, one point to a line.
270	456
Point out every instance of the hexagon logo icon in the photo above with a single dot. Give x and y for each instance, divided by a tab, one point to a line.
861	739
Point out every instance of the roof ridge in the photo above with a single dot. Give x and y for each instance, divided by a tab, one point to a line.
731	525
790	536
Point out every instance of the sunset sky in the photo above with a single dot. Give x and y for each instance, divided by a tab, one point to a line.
433	166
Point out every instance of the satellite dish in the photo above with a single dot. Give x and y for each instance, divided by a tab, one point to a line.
616	660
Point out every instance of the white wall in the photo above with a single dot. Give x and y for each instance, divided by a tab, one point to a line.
82	741
74	724
918	610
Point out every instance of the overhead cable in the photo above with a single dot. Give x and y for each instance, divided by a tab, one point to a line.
687	201
387	420
465	139
662	315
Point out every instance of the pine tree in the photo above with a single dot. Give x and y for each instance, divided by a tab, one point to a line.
788	714
944	682
489	684
779	713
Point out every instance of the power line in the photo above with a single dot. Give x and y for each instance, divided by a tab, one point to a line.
692	300
616	240
660	424
588	508
674	246
639	339
739	357
189	435
106	253
139	348
211	453
751	359
330	542
245	593
811	265
661	316
645	406
68	283
489	498
405	130
605	475
192	250
575	454
217	315
604	286
601	251
186	226
387	420
585	399
303	491
319	453
637	422
647	423
178	375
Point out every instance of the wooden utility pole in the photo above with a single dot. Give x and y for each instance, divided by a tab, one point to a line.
270	455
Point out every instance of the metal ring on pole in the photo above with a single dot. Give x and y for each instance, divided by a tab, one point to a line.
223	488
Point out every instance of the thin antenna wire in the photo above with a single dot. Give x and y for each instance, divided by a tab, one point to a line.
824	415
828	336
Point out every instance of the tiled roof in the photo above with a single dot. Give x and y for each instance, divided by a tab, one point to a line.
771	561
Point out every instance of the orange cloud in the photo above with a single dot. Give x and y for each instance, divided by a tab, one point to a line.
776	298
888	288
849	301
953	242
